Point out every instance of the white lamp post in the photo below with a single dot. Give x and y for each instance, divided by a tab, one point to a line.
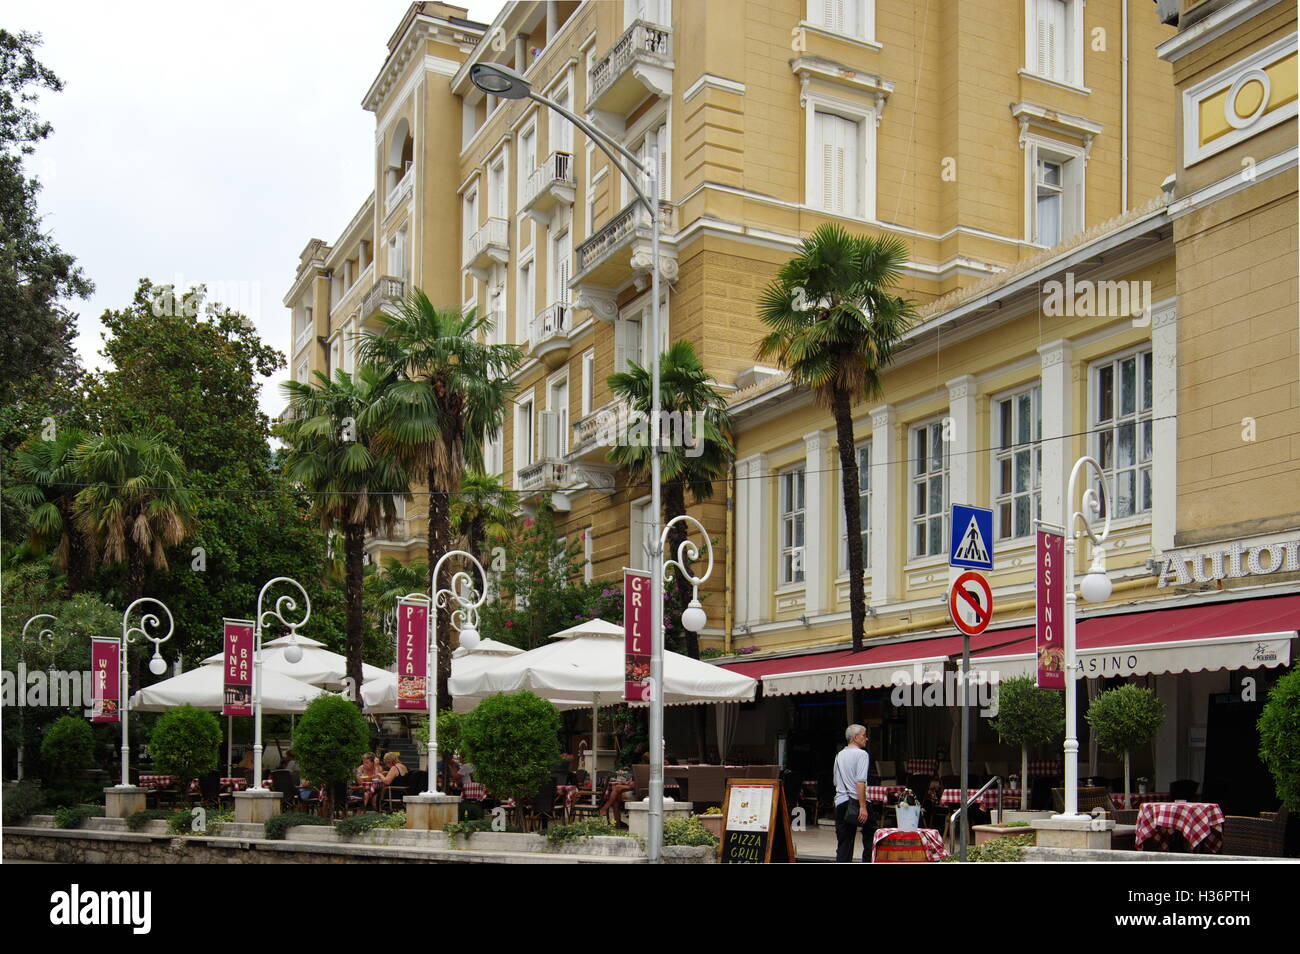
1095	588
292	654
43	637
464	619
156	666
497	80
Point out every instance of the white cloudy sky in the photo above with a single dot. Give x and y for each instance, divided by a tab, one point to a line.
205	142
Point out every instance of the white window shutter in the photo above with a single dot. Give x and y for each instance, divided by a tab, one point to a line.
562	272
661	137
620	346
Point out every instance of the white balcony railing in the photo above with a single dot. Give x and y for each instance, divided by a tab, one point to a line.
612	234
399	191
557	170
491	234
639	39
543	475
553	321
303	339
386	291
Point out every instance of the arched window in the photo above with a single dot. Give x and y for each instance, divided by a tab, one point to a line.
401	154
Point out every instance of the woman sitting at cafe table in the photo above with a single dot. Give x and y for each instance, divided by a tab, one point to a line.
367	771
394	768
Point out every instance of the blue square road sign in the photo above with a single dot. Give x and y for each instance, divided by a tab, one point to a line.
971	545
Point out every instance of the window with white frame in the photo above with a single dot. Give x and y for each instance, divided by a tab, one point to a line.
557	402
527	155
837	163
492	463
1017	462
792	525
561	128
1055	176
561	268
526	305
632	333
587	545
658	12
1054	40
497	207
588	381
855	18
1120	398
864	512
497	309
642	534
524	431
471	215
929	489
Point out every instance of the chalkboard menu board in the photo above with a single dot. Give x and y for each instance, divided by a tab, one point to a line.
756	823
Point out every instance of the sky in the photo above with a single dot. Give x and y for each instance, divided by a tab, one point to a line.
205	143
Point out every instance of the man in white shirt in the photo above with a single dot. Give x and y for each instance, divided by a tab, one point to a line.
851	767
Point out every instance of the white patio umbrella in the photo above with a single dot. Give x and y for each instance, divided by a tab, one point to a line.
205	687
584	664
379	695
319	666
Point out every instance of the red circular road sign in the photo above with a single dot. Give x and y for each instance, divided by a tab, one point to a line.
972	591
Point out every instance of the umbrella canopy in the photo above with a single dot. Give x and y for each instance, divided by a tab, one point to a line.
379	694
205	688
585	665
319	666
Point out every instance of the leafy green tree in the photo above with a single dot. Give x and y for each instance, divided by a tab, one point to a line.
67	750
1028	716
331	431
186	742
449	395
1125	719
513	741
685	390
483	505
1279	738
329	740
834	326
48	469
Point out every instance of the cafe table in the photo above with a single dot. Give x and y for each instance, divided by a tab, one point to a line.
883	793
931	841
1200	824
988	801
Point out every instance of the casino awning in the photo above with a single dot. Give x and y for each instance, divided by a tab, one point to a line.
914	660
1242	634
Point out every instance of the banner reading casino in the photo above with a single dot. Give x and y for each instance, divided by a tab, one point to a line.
104	667
1049	636
636	636
412	654
238	697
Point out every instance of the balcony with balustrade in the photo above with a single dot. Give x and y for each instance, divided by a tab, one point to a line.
385	295
550	186
639	63
620	250
550	335
488	246
593	435
545	475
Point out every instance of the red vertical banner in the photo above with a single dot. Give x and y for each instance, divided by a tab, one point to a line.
636	636
412	654
1049	636
238	662
105	673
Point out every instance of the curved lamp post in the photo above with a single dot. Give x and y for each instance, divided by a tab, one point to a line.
464	619
43	638
292	654
508	84
1095	588
148	620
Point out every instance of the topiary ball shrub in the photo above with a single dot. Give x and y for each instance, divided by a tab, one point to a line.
185	742
21	801
329	740
513	741
1279	738
67	750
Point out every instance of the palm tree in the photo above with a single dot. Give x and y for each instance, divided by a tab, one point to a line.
685	391
134	504
331	431
834	327
448	393
48	469
485	503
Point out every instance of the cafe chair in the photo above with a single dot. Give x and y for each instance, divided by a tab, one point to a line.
1263	837
210	789
412	783
282	782
1089	798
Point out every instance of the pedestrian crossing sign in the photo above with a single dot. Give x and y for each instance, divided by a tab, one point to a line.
972	537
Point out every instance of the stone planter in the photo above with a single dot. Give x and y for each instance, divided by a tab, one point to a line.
987	833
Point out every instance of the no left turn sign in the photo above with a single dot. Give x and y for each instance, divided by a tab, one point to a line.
970	603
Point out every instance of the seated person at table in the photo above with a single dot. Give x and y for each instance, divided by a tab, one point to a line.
393	769
452	768
247	761
367	771
290	765
621	784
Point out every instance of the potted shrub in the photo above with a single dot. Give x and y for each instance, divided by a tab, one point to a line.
712	820
186	742
513	741
329	740
1124	719
1028	716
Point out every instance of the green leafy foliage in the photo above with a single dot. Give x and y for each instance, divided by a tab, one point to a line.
688	831
1126	718
357	824
72	816
67	750
186	742
329	739
184	822
137	820
21	801
1009	849
513	742
276	826
1279	738
1028	715
558	835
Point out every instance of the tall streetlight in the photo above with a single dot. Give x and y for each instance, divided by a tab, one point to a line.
464	619
157	666
1095	588
292	654
506	83
43	637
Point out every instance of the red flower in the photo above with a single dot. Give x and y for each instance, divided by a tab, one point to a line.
510	622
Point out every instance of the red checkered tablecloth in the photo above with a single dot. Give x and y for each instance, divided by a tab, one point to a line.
157	781
883	793
988	801
473	791
1135	800
1201	823
922	767
1044	768
931	839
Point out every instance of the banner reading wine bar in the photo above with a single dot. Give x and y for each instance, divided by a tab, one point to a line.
104	686
1049	641
238	698
412	654
636	636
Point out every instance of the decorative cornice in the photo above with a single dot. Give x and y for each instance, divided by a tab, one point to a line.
961	388
1053	353
709	81
600	302
1215	25
882	417
1028	114
810	68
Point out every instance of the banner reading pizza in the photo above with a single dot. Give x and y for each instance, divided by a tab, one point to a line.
412	654
238	662
636	636
104	667
1049	636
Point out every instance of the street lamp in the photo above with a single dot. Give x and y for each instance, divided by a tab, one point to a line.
464	619
148	621
1095	588
504	82
43	637
292	654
